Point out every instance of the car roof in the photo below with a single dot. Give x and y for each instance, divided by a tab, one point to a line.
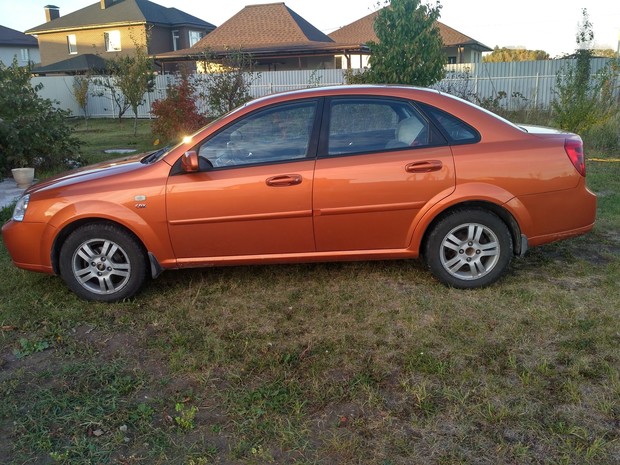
351	89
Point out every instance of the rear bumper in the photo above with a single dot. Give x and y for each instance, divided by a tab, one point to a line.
554	216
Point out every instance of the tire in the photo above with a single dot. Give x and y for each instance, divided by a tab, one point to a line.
102	262
469	248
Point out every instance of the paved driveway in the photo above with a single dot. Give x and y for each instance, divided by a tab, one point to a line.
8	192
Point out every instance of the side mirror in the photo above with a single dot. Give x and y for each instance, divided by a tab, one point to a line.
189	162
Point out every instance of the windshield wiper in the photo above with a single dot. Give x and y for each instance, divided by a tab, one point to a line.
150	158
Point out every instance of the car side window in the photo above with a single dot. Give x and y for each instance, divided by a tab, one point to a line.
457	130
361	125
278	133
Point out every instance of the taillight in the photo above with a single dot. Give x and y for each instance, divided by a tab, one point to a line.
574	150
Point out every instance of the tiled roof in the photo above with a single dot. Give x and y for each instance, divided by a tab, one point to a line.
121	12
11	37
362	31
263	26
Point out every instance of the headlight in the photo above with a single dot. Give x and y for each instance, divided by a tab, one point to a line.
20	208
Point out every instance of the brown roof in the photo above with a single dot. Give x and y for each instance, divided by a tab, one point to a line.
266	25
266	31
362	31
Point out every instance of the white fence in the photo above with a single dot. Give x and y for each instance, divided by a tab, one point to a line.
531	82
527	83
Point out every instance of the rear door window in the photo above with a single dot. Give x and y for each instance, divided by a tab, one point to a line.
367	125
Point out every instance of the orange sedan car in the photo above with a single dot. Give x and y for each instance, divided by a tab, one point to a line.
339	173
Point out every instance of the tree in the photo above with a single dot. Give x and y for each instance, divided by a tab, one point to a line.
604	53
32	131
135	77
129	78
80	88
177	114
409	50
108	82
581	101
226	81
514	54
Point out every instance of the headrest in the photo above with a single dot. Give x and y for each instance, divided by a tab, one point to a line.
408	129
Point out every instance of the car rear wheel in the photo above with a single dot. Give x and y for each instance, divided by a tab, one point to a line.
469	248
103	262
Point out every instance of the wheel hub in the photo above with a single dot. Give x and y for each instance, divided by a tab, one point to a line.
101	266
470	251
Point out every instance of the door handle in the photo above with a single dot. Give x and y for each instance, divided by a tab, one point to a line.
284	180
425	166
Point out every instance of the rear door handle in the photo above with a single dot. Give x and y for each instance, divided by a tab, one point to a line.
284	180
425	166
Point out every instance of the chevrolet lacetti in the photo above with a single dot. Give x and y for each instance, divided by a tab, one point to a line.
340	173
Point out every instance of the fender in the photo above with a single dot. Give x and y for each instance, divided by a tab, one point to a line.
147	224
464	193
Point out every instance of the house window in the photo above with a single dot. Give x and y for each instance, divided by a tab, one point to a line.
112	41
72	44
451	60
195	36
25	54
175	40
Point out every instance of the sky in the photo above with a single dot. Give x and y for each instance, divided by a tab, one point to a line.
548	25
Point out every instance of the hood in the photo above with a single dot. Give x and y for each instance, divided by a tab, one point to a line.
91	172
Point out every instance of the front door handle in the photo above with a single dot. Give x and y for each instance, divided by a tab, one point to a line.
284	180
425	166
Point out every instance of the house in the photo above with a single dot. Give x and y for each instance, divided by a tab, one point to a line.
112	27
277	38
15	44
458	47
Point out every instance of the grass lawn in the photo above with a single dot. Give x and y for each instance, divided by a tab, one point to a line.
103	134
354	363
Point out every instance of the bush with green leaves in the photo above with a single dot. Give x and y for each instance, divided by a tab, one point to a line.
581	101
177	114
32	131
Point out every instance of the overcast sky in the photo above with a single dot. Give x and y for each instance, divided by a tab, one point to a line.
548	25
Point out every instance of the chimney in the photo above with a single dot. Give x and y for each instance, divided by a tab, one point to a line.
52	12
107	3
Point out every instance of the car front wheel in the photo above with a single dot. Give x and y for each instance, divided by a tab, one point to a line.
469	248
103	262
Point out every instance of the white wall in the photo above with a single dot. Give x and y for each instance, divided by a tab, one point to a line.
8	53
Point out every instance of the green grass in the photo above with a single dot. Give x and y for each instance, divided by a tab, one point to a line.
103	134
357	363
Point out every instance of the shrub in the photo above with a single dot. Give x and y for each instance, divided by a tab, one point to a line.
177	114
582	102
604	135
32	131
353	76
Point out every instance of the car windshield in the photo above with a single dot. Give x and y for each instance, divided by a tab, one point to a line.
159	154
